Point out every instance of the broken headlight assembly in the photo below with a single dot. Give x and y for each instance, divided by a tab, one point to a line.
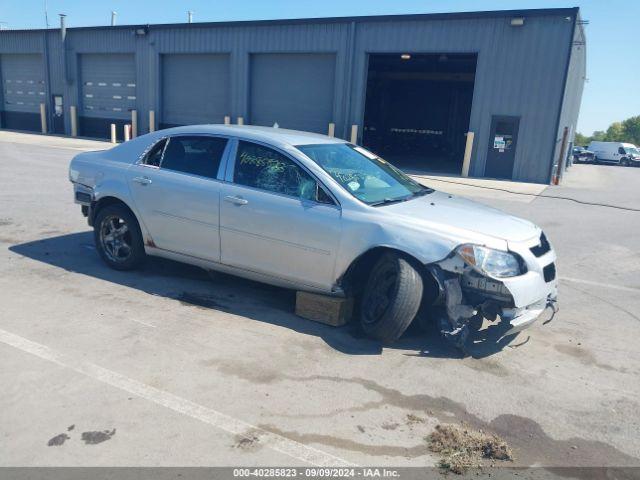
491	262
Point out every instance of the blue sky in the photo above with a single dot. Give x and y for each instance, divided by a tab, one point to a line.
613	35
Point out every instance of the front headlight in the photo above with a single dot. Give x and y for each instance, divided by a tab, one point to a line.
495	263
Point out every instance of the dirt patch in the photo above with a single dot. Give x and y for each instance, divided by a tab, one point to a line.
95	437
486	366
585	357
58	440
414	419
462	448
248	441
251	372
390	425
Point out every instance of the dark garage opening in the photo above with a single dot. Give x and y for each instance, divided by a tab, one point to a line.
417	109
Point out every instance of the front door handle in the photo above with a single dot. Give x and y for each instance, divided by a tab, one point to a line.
236	200
143	180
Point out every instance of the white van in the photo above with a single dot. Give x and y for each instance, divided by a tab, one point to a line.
615	152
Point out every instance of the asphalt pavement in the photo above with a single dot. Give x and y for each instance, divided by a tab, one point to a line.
169	366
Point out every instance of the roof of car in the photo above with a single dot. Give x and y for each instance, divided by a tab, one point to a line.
281	136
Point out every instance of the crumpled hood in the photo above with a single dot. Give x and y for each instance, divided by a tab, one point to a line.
442	210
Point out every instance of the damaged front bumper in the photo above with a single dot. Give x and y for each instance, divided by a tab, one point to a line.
519	301
522	318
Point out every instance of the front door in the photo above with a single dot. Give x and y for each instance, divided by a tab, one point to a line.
177	192
275	219
502	147
58	114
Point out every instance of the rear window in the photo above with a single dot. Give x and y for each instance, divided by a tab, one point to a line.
197	155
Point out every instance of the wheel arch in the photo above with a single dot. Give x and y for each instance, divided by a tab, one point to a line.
356	274
106	201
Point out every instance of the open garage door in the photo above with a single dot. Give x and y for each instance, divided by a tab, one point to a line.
195	89
418	108
107	93
293	90
23	91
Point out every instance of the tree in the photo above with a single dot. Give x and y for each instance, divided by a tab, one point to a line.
631	130
581	139
627	131
615	133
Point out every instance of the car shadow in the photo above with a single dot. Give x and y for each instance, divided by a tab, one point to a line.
194	287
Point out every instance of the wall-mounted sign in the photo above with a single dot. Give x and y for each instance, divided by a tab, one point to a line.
502	142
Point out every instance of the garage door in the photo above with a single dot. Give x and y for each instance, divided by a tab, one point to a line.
195	89
23	90
293	90
108	92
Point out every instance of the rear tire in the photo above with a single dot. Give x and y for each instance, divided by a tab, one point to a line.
118	238
391	298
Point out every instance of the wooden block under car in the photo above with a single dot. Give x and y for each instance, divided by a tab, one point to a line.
334	311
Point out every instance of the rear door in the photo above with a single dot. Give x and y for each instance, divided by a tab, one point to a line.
176	187
276	219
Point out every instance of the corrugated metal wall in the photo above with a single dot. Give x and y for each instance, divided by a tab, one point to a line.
576	75
520	70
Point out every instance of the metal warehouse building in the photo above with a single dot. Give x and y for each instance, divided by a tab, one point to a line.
409	87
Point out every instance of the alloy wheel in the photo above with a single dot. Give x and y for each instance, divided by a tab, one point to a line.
115	239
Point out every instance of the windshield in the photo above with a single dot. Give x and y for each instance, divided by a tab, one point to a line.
363	174
632	150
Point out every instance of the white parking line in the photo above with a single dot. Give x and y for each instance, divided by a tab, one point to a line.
178	404
599	284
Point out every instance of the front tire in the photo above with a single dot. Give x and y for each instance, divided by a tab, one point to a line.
624	162
118	238
391	298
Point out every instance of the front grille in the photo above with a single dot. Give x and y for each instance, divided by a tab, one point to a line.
542	248
549	272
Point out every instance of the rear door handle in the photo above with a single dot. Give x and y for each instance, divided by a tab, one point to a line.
236	200
143	180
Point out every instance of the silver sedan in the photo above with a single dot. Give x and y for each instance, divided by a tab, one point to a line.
319	214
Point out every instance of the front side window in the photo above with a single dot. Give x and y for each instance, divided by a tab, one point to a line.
621	151
197	155
264	168
363	174
154	155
